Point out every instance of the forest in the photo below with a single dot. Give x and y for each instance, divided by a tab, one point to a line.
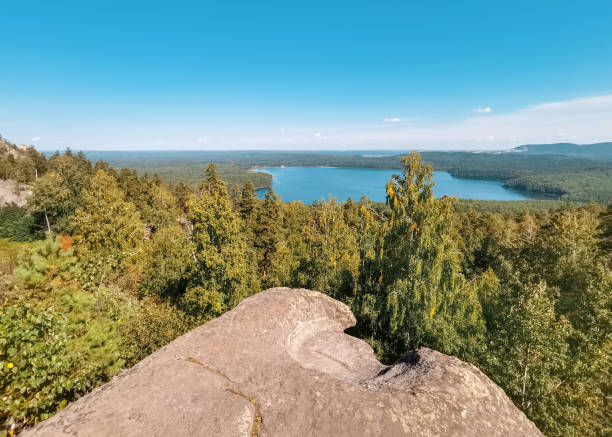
564	172
103	266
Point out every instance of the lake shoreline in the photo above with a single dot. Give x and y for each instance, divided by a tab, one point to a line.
312	183
528	195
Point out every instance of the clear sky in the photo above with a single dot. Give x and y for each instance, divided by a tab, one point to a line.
305	75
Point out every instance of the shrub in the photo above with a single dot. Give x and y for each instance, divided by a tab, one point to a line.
16	224
54	345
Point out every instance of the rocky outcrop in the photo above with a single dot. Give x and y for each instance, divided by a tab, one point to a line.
279	364
13	193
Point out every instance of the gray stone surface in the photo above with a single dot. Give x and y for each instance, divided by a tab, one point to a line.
279	364
13	193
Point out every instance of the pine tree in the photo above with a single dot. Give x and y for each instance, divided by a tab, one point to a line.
267	231
248	204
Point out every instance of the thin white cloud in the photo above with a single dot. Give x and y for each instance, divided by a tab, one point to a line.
486	110
35	139
392	120
586	120
582	121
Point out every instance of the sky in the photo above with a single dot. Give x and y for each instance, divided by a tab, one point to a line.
131	75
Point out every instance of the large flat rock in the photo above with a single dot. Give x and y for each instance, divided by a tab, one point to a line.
279	364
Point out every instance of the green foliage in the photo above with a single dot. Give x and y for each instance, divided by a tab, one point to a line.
548	320
510	208
292	252
190	173
420	297
156	204
16	224
221	274
521	289
52	344
266	229
47	359
49	263
142	325
584	186
332	264
203	303
50	200
248	205
109	226
168	264
57	194
530	351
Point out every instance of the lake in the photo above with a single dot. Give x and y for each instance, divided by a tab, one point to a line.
314	183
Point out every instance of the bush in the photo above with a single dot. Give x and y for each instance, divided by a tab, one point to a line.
143	325
16	224
54	345
47	357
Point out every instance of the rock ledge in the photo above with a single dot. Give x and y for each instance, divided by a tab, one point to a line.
279	364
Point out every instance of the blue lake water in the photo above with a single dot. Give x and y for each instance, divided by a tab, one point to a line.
314	183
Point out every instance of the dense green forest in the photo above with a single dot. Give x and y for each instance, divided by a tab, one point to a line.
104	266
566	172
192	174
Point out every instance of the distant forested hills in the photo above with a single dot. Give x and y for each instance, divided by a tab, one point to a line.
595	151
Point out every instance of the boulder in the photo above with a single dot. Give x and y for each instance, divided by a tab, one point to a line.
279	364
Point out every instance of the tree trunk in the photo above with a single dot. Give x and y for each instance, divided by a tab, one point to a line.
47	220
525	379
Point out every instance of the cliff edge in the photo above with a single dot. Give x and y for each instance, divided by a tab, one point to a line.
279	364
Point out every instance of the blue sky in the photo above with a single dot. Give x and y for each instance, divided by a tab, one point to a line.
305	75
